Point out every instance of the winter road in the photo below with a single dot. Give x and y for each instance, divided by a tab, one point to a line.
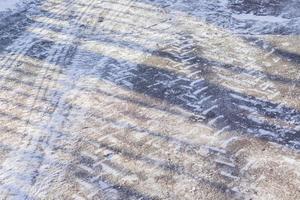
150	99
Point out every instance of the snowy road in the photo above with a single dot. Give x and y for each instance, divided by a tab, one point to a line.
150	99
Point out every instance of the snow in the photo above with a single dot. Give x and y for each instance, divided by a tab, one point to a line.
271	19
221	14
114	114
8	4
266	133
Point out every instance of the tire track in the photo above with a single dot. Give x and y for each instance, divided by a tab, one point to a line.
141	130
23	47
130	77
35	145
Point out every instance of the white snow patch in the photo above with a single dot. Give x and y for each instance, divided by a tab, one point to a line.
272	19
256	119
266	133
227	174
223	2
229	141
8	4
